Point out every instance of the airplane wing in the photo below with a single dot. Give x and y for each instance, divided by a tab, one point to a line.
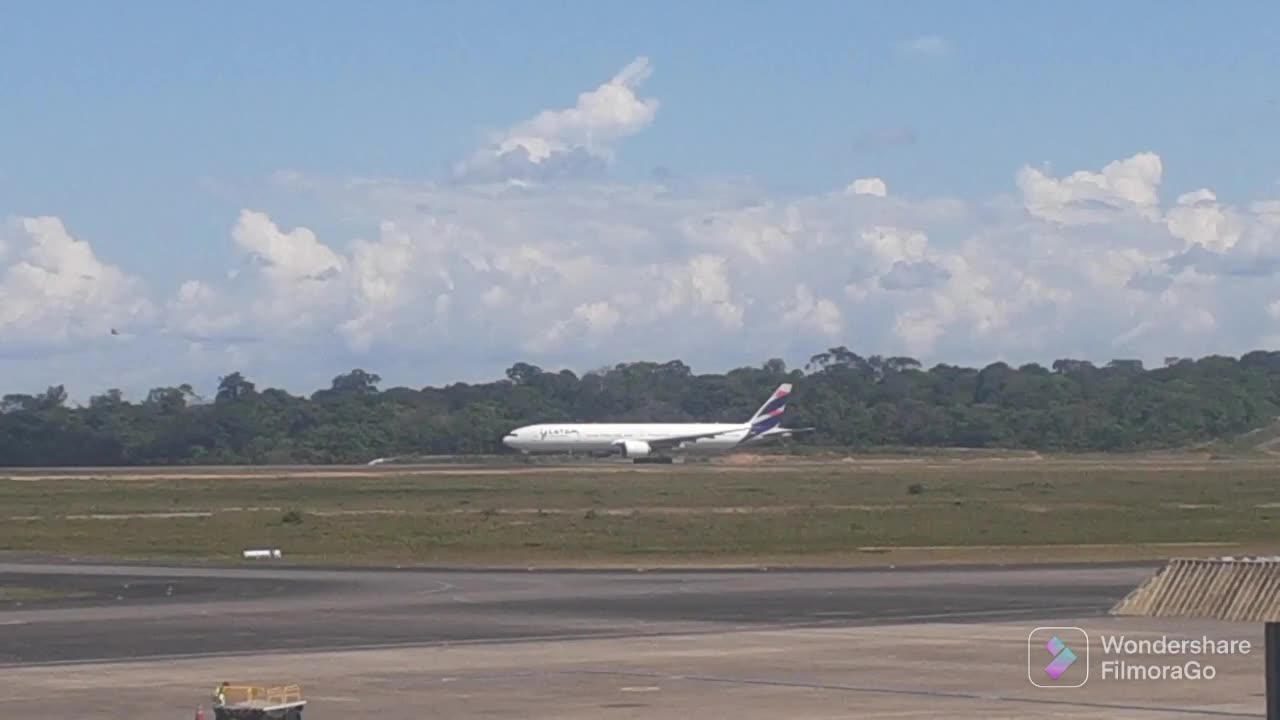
671	441
784	432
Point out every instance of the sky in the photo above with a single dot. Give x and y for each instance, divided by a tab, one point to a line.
434	191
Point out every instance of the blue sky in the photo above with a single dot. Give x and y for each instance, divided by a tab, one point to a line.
147	127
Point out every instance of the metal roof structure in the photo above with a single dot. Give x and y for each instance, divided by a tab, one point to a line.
1244	589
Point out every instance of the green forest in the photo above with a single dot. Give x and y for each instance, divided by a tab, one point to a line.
855	402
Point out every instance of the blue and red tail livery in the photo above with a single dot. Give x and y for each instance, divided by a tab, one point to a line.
769	416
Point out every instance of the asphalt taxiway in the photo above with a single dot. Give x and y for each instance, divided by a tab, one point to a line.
110	612
146	642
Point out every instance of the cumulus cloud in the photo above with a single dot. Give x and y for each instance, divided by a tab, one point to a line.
55	291
299	288
809	312
457	281
556	271
569	142
914	275
1130	186
868	186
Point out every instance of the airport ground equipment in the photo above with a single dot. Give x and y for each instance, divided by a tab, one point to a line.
1235	589
250	702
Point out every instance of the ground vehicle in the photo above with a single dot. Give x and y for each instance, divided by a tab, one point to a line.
249	702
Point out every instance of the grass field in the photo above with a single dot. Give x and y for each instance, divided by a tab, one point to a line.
853	512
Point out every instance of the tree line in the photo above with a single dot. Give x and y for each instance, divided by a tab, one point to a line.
855	402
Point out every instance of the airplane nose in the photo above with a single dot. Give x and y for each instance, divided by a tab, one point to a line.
509	440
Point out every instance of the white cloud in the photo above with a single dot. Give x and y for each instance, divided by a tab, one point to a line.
868	186
586	326
698	288
54	291
457	281
1129	186
287	257
568	141
808	312
1199	219
197	312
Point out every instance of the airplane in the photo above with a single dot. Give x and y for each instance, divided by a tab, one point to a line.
651	442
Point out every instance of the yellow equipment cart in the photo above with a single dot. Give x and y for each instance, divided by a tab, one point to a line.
249	702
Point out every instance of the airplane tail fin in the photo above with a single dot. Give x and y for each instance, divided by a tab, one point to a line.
769	415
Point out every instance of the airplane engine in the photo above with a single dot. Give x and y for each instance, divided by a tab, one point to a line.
633	448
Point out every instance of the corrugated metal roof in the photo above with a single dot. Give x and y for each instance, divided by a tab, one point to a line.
1245	589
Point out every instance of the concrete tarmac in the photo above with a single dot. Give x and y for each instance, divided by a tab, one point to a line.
898	643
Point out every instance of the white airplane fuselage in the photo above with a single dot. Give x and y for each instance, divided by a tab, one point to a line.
643	440
605	437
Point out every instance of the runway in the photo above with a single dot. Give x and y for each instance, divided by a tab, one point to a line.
121	612
146	642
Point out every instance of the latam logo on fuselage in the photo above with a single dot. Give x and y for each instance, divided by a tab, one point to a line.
557	432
